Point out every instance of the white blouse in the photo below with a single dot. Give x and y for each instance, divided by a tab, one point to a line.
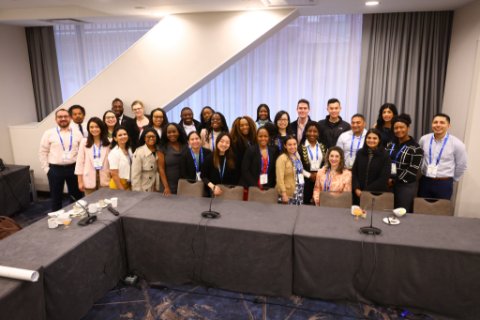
121	162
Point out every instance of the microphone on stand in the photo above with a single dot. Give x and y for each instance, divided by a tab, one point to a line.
371	230
89	219
209	214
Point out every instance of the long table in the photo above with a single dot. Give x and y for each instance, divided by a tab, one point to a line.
78	264
248	249
427	262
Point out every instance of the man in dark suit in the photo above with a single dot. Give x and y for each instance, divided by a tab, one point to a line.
188	123
123	120
298	126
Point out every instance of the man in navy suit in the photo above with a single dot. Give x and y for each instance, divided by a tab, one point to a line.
298	126
123	120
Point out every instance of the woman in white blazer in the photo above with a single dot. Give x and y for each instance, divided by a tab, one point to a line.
92	167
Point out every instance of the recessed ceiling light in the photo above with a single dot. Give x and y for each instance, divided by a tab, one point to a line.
372	3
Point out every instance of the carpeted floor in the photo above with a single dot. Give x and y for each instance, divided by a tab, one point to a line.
190	302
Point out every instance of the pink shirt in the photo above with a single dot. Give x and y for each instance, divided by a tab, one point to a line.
334	182
53	152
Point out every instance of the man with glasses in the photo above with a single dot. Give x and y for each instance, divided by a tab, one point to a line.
58	155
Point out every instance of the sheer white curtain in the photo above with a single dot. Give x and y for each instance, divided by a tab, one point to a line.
83	50
314	57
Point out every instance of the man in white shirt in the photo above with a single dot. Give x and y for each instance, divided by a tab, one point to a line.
188	123
77	114
351	141
298	126
58	155
444	160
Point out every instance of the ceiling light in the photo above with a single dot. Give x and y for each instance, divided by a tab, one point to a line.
372	3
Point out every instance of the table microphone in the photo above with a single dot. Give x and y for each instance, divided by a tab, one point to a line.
209	214
371	230
89	219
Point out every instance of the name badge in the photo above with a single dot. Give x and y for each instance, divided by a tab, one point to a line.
97	163
394	169
66	156
432	171
301	180
349	163
263	178
198	176
314	166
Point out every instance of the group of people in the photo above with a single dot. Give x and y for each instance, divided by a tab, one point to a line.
300	159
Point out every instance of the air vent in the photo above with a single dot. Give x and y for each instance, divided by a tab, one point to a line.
289	3
65	21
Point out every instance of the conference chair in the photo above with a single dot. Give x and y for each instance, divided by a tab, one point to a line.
383	200
231	192
265	196
190	188
336	199
438	207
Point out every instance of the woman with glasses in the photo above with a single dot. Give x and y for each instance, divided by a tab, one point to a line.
158	121
140	121
144	164
111	122
282	124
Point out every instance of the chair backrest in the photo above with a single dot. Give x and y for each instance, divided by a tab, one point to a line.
232	192
336	199
265	196
383	200
187	188
439	207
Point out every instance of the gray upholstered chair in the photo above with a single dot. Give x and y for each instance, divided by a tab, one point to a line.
336	199
187	188
383	200
439	207
265	196
231	192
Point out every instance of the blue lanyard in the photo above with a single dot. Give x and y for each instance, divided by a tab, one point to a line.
197	165
279	143
328	181
95	155
297	164
213	142
222	172
61	140
398	153
358	144
261	160
310	151
441	150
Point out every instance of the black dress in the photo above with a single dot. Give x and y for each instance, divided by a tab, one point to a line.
370	171
252	166
309	184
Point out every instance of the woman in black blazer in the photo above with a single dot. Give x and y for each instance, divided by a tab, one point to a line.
371	168
219	167
258	165
193	158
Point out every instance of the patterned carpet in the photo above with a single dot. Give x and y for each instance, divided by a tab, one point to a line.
159	302
189	302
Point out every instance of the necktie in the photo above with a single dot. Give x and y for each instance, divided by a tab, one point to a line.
81	129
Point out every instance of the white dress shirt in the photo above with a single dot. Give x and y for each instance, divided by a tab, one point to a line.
350	144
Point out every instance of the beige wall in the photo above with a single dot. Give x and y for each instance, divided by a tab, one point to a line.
462	101
17	104
172	60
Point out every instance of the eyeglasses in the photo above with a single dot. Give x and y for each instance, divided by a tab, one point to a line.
283	120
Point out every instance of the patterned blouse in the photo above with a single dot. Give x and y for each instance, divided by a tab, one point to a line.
331	181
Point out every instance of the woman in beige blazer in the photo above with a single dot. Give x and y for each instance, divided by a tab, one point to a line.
290	173
92	167
144	164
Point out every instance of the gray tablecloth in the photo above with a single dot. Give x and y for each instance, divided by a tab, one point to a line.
429	262
14	189
249	249
80	263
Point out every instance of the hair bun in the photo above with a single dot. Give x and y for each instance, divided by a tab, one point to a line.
404	118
